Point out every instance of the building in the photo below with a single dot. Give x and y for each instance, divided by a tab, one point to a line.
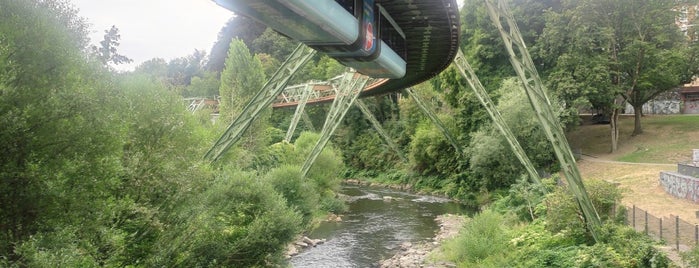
689	94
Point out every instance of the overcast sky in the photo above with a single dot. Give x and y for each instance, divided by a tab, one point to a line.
155	28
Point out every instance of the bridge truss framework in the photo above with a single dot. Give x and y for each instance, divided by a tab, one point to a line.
347	88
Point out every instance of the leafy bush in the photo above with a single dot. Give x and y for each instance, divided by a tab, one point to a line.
484	239
691	257
240	221
297	191
562	212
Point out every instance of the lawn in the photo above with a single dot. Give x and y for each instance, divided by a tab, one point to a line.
666	140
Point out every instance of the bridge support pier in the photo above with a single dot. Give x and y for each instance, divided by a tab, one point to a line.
347	92
299	112
263	99
467	72
524	67
377	126
434	118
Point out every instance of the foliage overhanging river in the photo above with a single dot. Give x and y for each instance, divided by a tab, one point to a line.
374	227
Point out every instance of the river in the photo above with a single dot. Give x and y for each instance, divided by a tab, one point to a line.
377	222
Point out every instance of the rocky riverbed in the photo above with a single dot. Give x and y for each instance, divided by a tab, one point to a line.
416	255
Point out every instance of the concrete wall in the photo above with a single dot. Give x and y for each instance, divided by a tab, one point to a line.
691	107
658	107
688	170
681	186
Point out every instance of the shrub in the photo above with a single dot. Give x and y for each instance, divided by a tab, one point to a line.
240	221
484	239
297	191
562	212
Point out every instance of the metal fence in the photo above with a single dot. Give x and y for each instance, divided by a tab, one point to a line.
673	230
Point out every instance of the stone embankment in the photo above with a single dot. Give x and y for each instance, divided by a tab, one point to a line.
400	187
303	242
416	255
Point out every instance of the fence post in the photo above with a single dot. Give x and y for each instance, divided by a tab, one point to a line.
645	224
633	217
696	234
661	228
677	232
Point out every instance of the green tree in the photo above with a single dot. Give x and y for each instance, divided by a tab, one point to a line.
240	27
107	51
242	78
491	157
607	50
205	86
58	141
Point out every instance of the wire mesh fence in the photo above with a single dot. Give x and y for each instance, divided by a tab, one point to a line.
673	230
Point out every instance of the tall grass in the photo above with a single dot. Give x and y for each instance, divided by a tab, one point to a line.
483	242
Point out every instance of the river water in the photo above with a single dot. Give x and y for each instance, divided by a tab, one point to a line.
378	221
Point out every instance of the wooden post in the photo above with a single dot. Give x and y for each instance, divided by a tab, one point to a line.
677	232
645	224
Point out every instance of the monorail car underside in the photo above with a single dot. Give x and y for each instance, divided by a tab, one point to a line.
430	29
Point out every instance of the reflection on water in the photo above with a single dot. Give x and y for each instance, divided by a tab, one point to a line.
374	227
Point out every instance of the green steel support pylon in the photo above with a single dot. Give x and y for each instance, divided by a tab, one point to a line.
307	120
524	66
377	126
347	92
434	119
263	99
475	83
299	111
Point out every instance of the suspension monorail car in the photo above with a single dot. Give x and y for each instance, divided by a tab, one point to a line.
358	33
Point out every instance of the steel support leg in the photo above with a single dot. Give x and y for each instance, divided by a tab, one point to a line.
307	120
299	111
434	119
351	84
377	126
263	99
524	66
475	83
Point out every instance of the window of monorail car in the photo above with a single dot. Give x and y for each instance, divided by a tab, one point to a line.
389	33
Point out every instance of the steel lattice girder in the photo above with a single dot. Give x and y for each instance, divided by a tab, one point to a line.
435	119
475	83
263	99
307	90
534	88
377	126
350	86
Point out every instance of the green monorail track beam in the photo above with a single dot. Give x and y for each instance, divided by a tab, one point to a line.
377	126
534	88
262	100
434	119
475	83
347	92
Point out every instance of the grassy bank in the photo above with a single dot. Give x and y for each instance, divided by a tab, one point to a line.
666	139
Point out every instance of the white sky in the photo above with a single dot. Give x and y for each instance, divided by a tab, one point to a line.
155	28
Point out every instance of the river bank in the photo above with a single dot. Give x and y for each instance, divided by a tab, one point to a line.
379	223
419	255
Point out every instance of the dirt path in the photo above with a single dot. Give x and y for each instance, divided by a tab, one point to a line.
640	186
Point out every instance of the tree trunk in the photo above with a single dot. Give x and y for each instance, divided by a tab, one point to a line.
638	112
613	123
